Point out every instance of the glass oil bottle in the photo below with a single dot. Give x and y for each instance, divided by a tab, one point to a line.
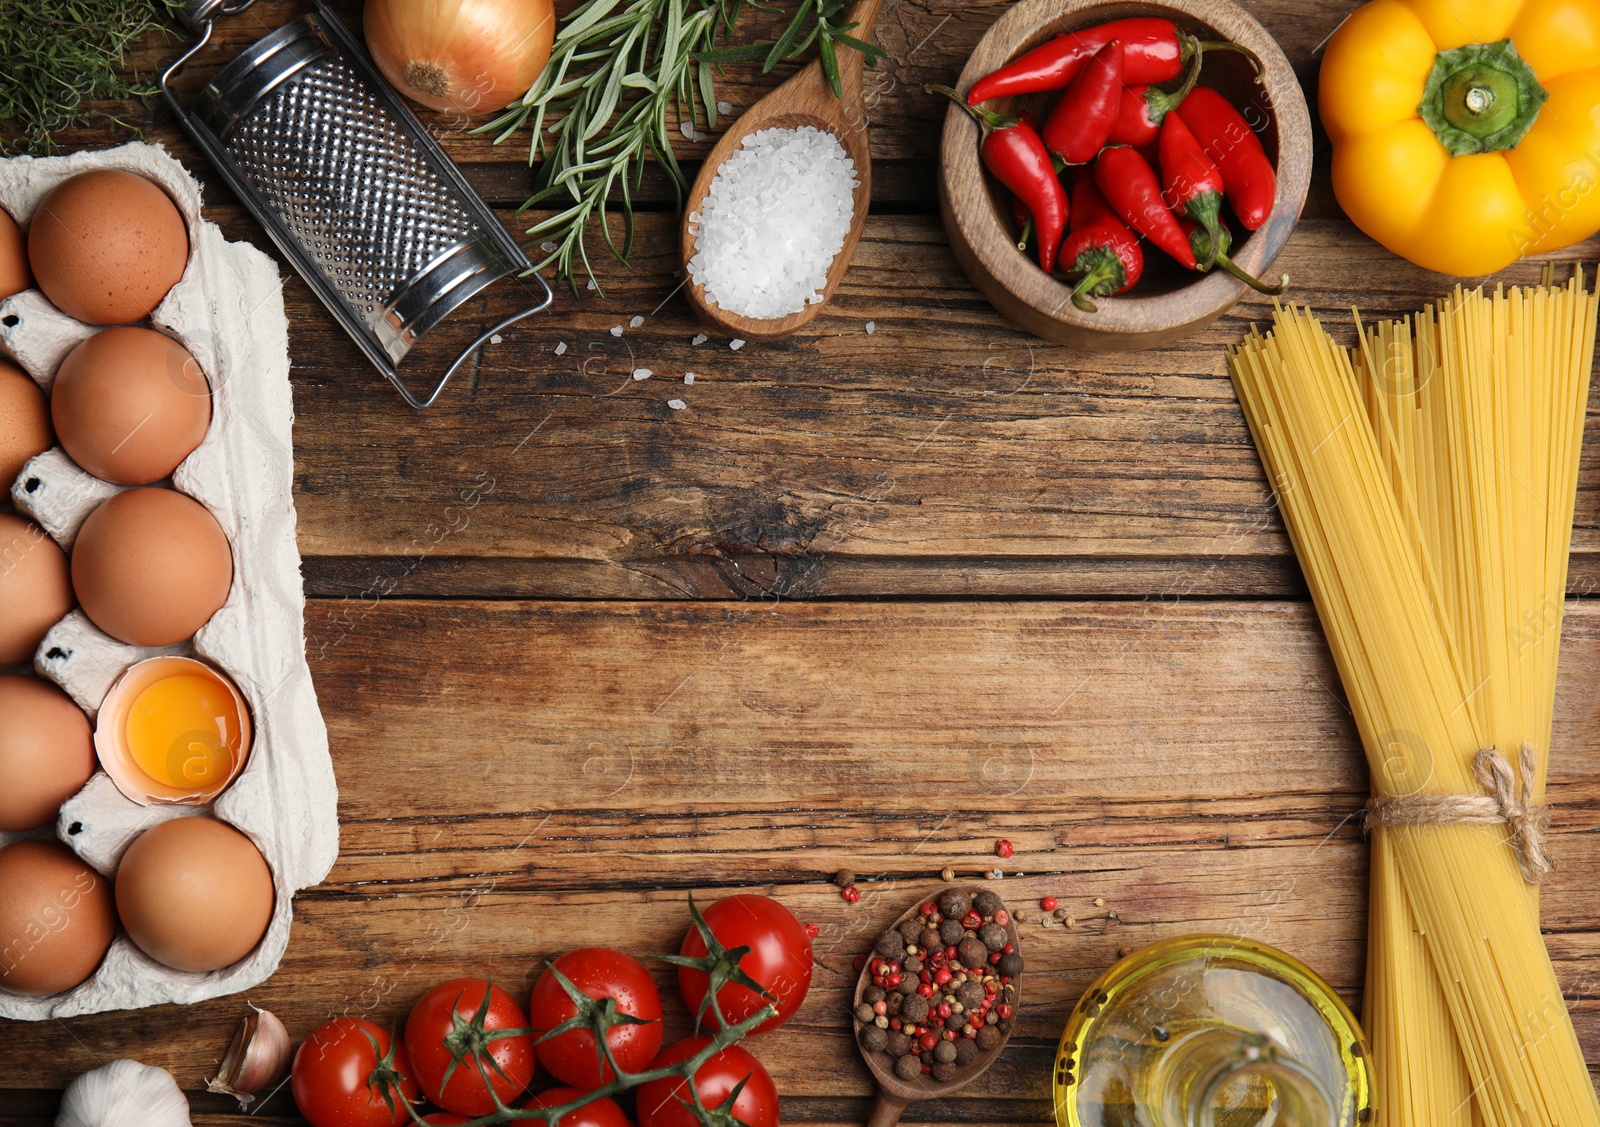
1211	1031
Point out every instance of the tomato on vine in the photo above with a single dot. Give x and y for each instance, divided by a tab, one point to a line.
743	953
469	1041
595	987
351	1073
731	1085
602	1112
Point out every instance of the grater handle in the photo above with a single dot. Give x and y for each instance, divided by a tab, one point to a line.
419	404
197	13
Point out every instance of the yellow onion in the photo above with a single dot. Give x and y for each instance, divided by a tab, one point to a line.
460	56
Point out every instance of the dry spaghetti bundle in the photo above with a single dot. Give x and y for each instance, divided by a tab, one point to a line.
1427	480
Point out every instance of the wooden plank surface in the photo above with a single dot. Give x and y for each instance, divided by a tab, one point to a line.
907	582
560	773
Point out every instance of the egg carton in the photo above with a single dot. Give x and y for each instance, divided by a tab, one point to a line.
228	311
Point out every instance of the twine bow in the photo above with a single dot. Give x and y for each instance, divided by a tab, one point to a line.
1507	803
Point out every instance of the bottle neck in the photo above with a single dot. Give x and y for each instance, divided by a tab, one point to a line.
1221	1075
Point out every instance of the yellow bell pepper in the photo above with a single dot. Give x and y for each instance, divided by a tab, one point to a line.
1466	133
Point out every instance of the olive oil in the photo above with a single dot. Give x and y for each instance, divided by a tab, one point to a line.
1211	1031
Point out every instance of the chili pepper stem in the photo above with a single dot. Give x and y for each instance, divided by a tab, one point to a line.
986	118
1027	234
1206	210
1161	106
1104	275
1253	282
1200	46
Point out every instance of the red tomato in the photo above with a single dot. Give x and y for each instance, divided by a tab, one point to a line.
779	959
445	1029
756	1106
339	1076
597	1113
573	1057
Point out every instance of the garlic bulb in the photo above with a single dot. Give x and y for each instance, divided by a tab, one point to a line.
124	1093
258	1056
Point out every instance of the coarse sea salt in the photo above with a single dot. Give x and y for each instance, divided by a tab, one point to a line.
775	217
635	321
561	348
699	338
616	330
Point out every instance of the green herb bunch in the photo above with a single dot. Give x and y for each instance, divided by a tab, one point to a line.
57	57
621	72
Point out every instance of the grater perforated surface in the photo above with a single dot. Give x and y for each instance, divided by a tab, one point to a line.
349	184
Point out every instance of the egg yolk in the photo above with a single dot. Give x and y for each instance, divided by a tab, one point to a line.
184	731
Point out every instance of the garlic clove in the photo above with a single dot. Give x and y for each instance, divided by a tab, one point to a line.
257	1058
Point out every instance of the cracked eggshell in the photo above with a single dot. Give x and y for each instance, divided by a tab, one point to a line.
228	312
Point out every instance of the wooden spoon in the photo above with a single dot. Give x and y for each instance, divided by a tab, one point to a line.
894	1093
806	99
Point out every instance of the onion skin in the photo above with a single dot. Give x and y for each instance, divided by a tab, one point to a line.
463	57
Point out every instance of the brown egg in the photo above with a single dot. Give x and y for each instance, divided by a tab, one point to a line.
24	422
35	588
14	275
129	404
106	246
46	751
151	566
194	893
56	918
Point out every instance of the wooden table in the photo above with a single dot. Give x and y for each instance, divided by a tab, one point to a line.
882	593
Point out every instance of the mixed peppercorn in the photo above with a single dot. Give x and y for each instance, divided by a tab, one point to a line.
943	986
1149	162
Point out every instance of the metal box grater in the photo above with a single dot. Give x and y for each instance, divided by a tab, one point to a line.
349	185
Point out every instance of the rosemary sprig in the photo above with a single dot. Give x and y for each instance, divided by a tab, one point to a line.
620	69
59	56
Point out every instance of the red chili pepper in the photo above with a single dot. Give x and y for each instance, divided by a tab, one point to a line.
1191	184
1201	241
1101	248
1081	122
1155	51
1144	108
1017	157
1131	188
1248	178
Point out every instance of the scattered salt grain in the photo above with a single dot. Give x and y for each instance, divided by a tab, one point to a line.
871	325
699	338
736	344
635	321
548	247
616	330
641	373
592	285
724	107
561	348
496	339
690	132
676	404
774	219
688	377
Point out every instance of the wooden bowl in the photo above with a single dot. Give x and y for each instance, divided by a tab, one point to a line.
1169	302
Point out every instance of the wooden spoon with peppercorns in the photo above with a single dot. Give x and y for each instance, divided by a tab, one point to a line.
964	941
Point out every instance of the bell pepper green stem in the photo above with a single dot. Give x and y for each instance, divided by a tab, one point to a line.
1481	98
